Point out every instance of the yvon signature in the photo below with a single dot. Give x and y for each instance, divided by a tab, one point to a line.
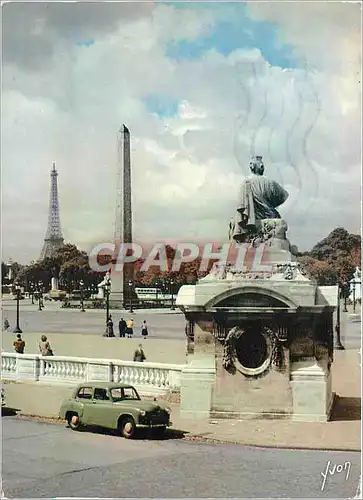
336	469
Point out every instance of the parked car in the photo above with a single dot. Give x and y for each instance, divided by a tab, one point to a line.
114	406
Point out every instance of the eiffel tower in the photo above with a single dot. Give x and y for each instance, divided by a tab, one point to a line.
53	237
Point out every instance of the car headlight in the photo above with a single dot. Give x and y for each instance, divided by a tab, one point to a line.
168	410
142	413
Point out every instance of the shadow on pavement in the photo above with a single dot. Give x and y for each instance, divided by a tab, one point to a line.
347	408
140	434
8	412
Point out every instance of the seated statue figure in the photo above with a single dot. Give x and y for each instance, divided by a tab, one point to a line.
258	201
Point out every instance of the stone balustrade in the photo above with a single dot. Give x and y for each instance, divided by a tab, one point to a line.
148	378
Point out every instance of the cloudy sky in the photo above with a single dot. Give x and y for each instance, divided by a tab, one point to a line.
202	87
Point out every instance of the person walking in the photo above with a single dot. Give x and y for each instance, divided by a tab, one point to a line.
19	344
44	346
139	354
110	327
122	327
130	328
144	330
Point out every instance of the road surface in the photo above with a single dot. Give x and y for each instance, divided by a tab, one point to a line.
49	460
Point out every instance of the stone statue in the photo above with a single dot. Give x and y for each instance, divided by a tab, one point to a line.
259	199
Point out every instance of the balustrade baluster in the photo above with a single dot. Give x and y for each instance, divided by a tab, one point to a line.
143	375
77	370
152	376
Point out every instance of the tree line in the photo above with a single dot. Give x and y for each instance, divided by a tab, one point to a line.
331	260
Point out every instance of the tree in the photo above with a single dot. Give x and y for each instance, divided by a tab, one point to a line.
321	272
68	263
340	252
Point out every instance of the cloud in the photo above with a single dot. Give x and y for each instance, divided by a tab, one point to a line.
195	121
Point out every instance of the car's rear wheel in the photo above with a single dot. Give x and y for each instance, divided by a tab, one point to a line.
73	421
127	427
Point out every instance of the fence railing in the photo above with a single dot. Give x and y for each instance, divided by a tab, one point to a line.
148	378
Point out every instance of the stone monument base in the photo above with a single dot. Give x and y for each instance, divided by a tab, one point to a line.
257	348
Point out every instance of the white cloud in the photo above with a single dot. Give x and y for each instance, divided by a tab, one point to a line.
187	168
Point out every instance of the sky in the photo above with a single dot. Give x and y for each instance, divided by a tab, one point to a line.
202	88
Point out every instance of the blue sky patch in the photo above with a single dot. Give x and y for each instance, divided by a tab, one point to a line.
85	43
161	105
235	30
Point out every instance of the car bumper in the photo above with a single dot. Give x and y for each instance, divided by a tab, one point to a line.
154	426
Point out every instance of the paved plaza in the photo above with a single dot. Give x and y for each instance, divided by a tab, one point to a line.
163	323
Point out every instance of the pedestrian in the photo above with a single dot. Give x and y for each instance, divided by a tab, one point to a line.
122	327
110	327
44	346
6	324
19	344
144	330
130	328
139	354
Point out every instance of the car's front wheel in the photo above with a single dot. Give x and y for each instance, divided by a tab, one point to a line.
73	421
127	427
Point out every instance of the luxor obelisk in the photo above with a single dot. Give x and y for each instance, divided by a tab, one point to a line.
121	291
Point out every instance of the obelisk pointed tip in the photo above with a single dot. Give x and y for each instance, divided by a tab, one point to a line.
126	130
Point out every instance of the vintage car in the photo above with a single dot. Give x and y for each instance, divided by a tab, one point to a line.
114	406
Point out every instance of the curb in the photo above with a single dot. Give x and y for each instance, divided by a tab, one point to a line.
189	436
271	446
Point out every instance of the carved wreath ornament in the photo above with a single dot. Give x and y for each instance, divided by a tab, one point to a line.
275	354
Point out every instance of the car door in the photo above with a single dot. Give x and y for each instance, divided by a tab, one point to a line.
84	398
101	407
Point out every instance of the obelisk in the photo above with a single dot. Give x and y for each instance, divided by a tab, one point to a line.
122	277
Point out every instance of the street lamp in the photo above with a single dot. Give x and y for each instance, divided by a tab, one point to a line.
107	288
346	289
81	285
157	292
17	328
31	287
40	295
338	344
172	294
130	296
353	283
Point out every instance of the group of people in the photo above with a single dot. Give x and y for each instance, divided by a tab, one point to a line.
44	345
126	328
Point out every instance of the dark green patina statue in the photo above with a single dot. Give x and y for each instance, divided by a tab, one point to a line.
259	199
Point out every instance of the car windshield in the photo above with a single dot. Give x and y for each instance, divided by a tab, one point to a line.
124	393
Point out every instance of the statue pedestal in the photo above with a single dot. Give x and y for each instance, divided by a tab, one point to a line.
258	348
312	395
55	284
197	381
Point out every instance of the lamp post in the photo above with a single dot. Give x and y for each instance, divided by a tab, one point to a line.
130	296
172	294
353	283
40	295
346	292
338	344
81	285
107	288
157	293
17	328
31	287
